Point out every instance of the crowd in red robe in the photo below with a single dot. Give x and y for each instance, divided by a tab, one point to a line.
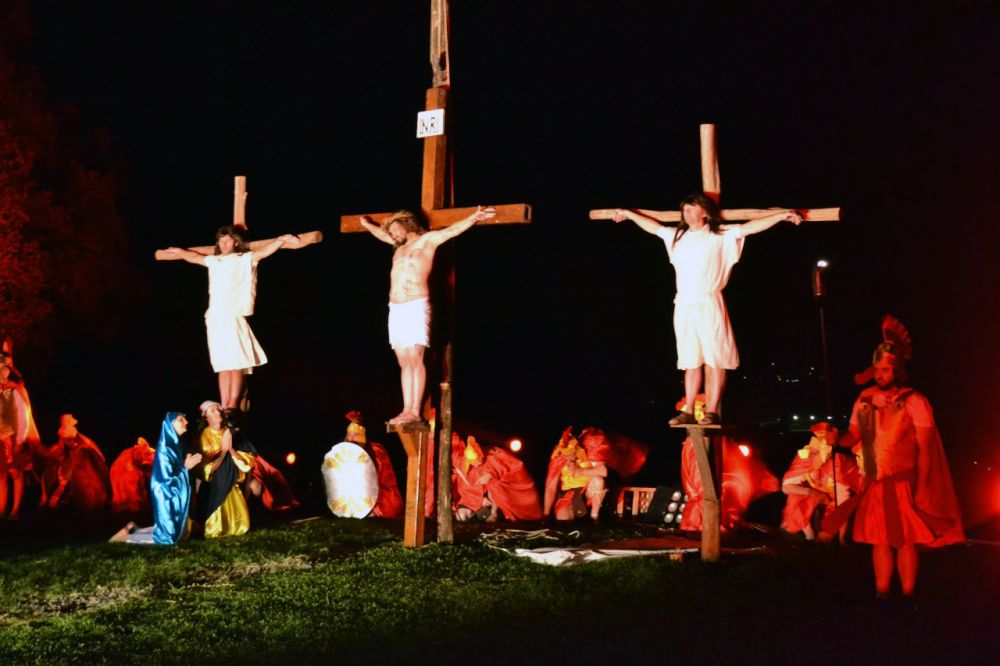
575	478
490	481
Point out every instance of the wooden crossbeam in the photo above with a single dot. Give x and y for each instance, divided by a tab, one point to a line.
712	186
415	437
240	220
730	215
304	240
445	217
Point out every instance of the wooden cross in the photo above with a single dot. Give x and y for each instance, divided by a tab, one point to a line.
712	186
706	439
432	205
239	220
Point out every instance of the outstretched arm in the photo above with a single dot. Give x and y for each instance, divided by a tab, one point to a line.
660	215
644	222
764	223
375	230
272	247
189	256
435	238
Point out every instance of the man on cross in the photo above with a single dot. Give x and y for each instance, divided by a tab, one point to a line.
703	252
232	289
409	295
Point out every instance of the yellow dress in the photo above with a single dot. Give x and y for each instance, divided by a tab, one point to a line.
232	517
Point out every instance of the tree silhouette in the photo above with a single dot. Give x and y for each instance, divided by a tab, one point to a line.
60	228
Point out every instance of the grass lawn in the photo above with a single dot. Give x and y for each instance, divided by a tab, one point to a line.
343	591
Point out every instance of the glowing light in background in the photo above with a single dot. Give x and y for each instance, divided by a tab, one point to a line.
290	458
515	445
745	450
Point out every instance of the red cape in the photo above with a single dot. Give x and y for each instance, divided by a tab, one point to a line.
799	508
510	487
390	502
276	493
463	491
744	479
130	475
89	487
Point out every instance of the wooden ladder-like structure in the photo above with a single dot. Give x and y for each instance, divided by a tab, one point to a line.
415	437
707	440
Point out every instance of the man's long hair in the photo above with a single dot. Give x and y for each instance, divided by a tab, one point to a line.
409	221
711	209
234	232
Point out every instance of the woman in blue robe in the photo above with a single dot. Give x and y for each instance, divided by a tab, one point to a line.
170	487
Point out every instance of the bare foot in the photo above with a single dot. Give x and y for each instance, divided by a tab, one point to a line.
398	418
405	417
122	534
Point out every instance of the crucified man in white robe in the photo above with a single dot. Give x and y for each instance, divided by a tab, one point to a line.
703	252
232	286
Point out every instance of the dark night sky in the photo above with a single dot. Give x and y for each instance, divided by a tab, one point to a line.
890	112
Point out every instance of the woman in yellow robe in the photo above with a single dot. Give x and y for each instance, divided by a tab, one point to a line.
221	506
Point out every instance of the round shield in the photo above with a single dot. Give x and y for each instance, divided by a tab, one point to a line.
351	481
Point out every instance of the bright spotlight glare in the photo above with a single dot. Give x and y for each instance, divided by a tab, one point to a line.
290	458
822	263
745	450
515	445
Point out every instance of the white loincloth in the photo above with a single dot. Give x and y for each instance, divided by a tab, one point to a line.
410	323
231	344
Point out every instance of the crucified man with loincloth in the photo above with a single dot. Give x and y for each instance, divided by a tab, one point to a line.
409	295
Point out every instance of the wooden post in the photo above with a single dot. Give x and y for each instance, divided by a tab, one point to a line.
445	518
708	454
435	157
414	436
710	181
240	202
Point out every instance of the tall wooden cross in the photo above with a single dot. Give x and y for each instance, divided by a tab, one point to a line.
432	205
707	439
240	220
712	186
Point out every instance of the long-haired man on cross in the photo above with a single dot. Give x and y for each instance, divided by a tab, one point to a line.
703	252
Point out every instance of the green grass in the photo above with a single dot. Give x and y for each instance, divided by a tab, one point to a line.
340	591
